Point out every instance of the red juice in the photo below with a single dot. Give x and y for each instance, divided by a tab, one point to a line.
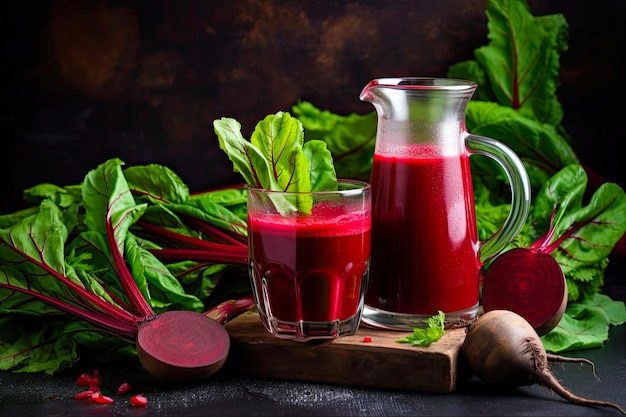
424	239
310	268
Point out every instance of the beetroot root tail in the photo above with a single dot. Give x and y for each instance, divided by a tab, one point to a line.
558	358
547	379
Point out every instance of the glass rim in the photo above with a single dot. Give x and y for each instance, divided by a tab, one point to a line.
424	83
359	187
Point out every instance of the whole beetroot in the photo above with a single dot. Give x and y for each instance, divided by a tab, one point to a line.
502	348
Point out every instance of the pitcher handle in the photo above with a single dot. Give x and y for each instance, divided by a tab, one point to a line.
520	192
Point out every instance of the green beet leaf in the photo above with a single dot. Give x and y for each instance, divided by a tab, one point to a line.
280	139
107	188
170	204
276	158
524	136
321	169
585	324
48	348
521	62
166	292
518	71
111	210
157	183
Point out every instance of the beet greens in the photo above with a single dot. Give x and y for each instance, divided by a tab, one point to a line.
77	252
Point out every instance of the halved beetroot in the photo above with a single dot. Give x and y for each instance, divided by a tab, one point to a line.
182	346
528	283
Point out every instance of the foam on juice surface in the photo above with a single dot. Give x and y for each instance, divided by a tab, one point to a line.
324	220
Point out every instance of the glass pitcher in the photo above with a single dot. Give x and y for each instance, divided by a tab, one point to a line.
426	255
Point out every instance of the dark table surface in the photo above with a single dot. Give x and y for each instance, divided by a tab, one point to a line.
234	395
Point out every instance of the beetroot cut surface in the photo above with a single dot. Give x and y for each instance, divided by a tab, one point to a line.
182	346
528	283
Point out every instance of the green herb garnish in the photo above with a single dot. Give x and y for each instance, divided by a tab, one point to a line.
426	336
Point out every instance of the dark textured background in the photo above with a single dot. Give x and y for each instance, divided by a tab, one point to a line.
84	81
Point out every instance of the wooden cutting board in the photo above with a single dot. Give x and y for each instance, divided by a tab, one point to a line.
382	363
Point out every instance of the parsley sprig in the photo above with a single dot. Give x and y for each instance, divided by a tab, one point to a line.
426	336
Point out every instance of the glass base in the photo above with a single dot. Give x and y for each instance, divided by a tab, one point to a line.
388	320
304	331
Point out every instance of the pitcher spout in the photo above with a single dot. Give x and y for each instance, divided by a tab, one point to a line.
411	98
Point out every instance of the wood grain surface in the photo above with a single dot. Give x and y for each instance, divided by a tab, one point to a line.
382	363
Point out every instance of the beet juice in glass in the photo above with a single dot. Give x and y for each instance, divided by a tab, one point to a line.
426	255
309	270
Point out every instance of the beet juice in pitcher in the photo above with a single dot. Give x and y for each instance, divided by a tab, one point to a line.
426	255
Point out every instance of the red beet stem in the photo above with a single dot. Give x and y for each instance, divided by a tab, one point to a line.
232	255
228	310
197	249
127	280
211	230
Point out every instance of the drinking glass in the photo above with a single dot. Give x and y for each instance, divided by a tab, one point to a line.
309	255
